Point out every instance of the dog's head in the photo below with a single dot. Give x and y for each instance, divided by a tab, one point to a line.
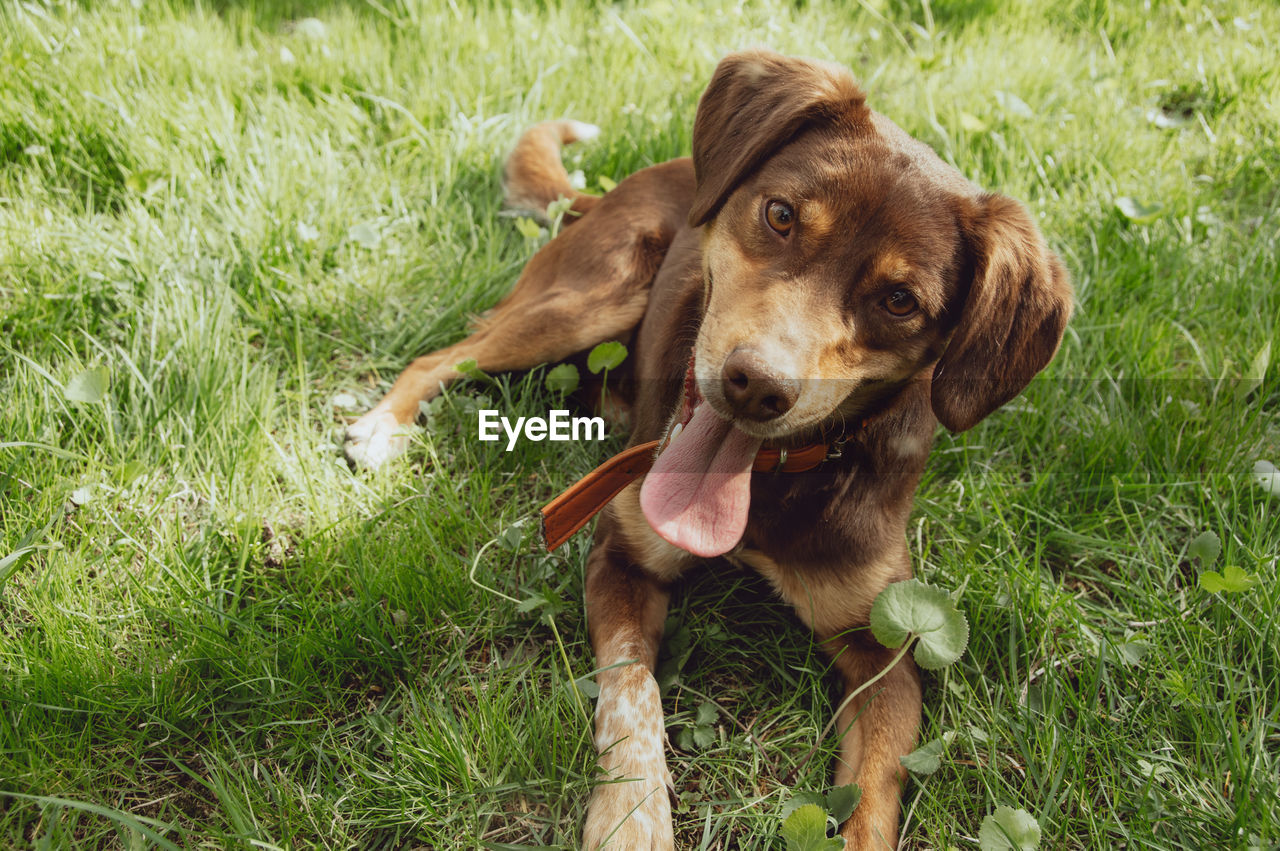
842	259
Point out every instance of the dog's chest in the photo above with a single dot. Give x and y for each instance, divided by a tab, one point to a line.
829	598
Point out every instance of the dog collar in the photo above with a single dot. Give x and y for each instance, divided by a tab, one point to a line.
571	510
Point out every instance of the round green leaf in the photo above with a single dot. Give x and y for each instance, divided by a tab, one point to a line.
88	386
1207	547
806	830
914	608
843	800
1008	829
1232	580
924	760
471	370
562	379
800	799
606	356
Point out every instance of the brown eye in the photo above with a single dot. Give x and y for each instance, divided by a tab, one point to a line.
901	303
780	217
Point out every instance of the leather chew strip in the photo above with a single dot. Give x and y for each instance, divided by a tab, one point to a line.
571	510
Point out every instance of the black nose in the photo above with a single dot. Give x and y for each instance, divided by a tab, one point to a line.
753	390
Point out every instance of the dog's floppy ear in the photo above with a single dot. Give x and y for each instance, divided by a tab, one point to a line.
758	100
1012	319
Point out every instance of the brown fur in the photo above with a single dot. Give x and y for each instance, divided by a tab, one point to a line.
677	259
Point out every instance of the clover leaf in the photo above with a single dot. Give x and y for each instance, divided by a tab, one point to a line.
88	386
806	830
1207	547
1232	580
606	356
562	379
925	759
1008	829
843	800
913	608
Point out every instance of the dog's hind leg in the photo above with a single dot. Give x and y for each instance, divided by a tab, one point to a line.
512	337
588	285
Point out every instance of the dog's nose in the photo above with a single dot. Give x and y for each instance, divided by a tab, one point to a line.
753	390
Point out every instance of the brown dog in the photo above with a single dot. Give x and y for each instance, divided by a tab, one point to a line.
813	275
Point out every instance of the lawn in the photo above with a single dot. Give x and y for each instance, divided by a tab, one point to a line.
225	227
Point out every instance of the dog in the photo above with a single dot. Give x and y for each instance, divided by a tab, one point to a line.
812	275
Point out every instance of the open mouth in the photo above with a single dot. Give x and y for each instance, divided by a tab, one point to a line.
691	398
698	494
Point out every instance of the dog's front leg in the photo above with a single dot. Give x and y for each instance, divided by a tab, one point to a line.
626	607
877	728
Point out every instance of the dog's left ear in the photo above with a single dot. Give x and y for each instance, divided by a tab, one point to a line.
1012	320
757	101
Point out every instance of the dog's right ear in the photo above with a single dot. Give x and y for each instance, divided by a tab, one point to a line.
756	102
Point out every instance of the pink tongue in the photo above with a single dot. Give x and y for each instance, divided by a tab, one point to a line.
698	492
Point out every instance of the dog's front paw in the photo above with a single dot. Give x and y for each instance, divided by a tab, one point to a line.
375	439
630	813
631	807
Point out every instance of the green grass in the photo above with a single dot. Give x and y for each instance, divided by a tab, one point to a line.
212	630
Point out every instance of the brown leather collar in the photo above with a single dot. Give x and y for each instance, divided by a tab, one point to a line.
571	510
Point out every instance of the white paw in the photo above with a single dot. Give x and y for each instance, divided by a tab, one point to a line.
375	439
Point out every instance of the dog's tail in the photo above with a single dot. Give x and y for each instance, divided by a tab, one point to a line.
533	176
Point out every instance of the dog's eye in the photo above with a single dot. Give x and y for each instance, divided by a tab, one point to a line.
901	303
780	217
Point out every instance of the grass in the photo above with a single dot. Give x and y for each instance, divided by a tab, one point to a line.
215	635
